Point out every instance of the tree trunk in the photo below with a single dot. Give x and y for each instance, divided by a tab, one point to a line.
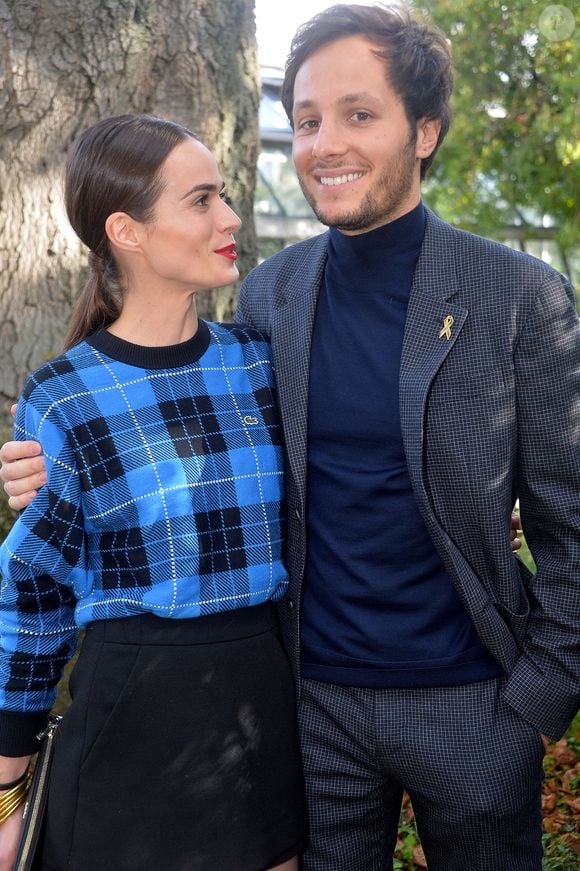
65	64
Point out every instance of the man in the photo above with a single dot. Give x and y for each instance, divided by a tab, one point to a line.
418	367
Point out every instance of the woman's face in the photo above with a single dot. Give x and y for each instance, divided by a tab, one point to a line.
189	244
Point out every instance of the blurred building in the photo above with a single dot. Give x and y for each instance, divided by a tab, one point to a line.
282	214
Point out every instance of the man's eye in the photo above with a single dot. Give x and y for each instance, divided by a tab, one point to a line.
309	124
201	201
361	116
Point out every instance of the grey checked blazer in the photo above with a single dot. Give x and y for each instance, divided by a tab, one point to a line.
489	414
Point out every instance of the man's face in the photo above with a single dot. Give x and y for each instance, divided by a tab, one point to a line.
357	158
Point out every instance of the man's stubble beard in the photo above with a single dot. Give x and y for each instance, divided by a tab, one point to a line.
374	211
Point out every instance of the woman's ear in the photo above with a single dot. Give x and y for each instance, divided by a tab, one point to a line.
123	232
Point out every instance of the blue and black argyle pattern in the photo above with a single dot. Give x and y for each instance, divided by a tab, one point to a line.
164	495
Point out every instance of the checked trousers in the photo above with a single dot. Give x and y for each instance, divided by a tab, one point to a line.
471	765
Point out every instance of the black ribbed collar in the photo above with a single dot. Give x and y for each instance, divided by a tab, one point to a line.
164	357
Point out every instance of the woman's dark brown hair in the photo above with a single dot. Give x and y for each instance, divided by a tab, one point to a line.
114	166
416	54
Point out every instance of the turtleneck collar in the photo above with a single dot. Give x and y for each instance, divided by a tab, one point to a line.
403	233
384	258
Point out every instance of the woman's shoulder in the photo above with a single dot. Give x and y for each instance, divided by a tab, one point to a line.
238	334
242	347
55	377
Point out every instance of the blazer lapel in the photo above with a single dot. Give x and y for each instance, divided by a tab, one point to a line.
433	325
292	325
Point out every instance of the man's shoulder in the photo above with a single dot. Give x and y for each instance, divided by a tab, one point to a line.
291	258
480	254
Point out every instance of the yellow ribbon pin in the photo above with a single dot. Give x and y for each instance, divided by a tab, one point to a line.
447	324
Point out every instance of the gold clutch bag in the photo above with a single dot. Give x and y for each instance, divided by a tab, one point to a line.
28	857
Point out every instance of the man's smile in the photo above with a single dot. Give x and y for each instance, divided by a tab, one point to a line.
331	181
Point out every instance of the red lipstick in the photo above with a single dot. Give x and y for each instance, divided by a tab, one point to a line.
229	251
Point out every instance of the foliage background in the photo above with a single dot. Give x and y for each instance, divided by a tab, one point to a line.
511	164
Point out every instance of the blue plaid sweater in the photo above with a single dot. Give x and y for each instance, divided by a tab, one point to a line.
164	495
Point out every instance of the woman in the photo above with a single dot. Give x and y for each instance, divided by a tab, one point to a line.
160	530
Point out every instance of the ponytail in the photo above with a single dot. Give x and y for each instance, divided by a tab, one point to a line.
99	303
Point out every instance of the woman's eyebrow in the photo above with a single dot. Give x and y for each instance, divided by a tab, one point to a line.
208	187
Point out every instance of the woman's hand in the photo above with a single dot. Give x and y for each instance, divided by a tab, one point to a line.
11	769
9	838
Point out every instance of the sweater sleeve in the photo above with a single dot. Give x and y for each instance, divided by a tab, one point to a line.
42	563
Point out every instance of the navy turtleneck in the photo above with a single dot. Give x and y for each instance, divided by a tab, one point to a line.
379	608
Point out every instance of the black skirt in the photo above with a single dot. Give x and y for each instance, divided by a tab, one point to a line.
179	751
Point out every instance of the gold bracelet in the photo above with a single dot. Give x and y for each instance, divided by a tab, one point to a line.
14	797
18	780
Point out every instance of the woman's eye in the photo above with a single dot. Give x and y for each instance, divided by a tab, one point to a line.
361	116
201	201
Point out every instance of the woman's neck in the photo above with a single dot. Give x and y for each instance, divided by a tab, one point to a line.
156	322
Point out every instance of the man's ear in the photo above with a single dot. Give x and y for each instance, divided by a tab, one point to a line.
428	130
123	232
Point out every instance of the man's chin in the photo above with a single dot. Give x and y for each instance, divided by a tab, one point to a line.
344	222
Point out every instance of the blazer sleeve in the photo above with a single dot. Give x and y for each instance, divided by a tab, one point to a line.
42	562
243	311
255	299
545	684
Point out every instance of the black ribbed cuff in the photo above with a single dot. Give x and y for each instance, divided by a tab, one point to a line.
19	732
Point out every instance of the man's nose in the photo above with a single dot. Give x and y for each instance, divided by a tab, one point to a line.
328	141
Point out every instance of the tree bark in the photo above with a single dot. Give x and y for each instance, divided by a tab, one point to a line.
65	64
